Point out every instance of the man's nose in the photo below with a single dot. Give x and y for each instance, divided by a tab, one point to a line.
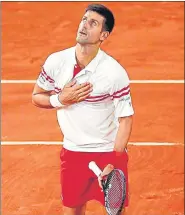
85	24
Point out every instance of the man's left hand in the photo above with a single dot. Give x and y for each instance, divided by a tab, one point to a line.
104	173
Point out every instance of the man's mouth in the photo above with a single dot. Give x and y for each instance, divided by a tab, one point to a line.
82	33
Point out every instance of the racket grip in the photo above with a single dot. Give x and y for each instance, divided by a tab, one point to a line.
95	168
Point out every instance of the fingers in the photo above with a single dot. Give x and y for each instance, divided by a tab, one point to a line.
83	91
86	85
84	94
76	93
82	98
107	170
100	182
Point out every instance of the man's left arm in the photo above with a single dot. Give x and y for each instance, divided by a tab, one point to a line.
121	95
123	134
123	110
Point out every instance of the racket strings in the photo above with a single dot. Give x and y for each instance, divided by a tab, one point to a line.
115	192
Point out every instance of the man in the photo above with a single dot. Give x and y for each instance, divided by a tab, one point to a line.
91	93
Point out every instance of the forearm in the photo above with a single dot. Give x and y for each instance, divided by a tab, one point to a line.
42	100
70	95
123	134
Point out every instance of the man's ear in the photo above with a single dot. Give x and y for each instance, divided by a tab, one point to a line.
104	35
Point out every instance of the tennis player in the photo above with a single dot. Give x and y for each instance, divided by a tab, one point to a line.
91	93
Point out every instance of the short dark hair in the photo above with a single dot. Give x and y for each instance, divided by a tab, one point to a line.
106	13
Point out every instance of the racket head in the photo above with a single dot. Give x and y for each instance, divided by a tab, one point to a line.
114	187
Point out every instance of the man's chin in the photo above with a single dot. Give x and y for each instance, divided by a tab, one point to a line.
81	41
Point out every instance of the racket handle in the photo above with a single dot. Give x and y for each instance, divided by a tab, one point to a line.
95	168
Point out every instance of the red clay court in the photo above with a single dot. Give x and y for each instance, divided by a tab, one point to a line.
148	41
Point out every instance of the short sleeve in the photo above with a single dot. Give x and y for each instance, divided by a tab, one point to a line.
121	94
46	79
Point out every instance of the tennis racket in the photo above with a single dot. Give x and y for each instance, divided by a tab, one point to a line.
114	188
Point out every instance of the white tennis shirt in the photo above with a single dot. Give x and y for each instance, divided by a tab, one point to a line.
90	125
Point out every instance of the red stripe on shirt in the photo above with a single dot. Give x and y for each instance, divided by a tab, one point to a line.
48	78
97	100
123	94
57	90
94	97
123	89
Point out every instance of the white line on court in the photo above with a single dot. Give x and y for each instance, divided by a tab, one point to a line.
60	143
131	81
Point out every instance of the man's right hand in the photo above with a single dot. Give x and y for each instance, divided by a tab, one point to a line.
73	94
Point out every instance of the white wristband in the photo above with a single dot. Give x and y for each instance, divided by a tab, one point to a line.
54	101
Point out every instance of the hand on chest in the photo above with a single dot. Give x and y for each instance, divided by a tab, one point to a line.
99	82
97	78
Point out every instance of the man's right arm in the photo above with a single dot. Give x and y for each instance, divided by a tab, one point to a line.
41	97
44	95
69	95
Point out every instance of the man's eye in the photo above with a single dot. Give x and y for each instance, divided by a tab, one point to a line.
93	23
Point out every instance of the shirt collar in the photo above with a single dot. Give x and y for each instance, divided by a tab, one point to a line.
94	62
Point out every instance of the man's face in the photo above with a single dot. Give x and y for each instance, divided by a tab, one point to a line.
90	30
